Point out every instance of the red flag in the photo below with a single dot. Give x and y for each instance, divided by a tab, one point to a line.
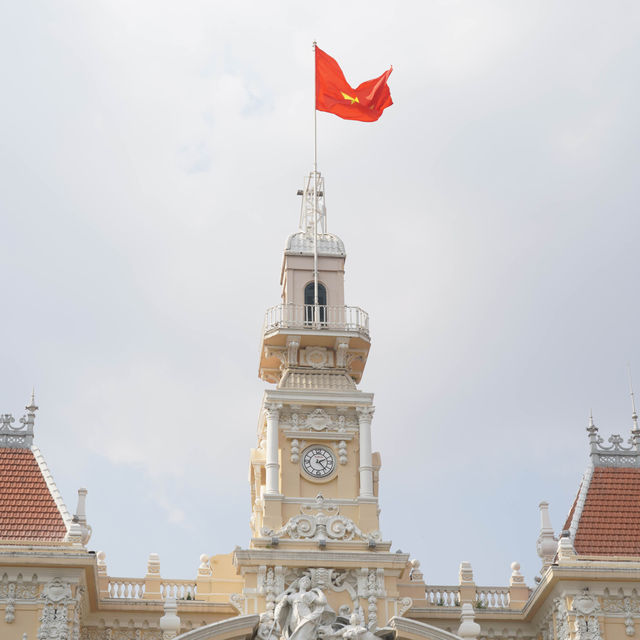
365	103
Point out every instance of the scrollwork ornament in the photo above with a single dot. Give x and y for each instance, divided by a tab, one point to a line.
10	611
562	619
54	621
239	602
404	605
586	608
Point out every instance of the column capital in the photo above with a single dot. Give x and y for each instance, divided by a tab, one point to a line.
365	414
272	409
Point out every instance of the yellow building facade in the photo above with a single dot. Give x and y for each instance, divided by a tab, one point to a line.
318	567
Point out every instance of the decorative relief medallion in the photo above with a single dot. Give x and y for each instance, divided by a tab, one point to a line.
318	420
325	524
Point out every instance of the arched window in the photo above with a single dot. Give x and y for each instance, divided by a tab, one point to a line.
310	313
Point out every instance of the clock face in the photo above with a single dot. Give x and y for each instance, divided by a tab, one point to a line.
318	461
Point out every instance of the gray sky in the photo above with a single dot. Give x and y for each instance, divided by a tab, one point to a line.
150	156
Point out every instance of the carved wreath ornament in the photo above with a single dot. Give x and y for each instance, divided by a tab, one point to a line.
325	524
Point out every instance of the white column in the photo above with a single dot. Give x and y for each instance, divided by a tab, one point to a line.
365	415
272	465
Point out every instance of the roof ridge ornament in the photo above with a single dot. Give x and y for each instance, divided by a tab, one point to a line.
616	454
18	437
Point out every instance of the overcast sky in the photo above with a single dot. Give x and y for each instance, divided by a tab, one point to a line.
149	160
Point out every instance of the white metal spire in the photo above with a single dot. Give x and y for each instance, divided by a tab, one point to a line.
313	213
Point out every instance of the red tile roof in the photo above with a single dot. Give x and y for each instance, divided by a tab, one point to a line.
610	520
27	508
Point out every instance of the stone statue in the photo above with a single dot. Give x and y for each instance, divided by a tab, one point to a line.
354	630
301	611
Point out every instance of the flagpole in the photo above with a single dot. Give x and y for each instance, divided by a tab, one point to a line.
315	189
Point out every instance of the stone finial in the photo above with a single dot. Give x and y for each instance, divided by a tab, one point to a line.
416	575
547	543
170	622
469	628
566	550
81	515
79	531
32	407
205	568
152	579
101	559
153	564
466	572
518	590
516	576
467	590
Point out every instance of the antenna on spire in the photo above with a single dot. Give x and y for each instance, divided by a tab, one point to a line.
634	414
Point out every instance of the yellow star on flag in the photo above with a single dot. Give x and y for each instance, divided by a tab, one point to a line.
347	97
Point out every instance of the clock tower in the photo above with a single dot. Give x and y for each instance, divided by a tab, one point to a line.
313	474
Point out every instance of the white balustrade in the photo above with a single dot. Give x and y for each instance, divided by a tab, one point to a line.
178	589
486	597
492	597
133	589
442	596
309	316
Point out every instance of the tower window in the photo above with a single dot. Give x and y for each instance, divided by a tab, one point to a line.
309	310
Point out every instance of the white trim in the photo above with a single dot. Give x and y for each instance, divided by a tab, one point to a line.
582	497
51	485
421	629
240	627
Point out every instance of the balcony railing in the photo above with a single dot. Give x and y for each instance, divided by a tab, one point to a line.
310	316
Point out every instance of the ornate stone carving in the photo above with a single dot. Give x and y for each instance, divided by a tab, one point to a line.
586	608
616	454
321	522
17	437
342	346
404	605
342	452
93	633
272	410
623	605
318	419
10	611
293	342
302	613
54	622
239	602
562	619
295	451
365	414
18	589
316	357
77	611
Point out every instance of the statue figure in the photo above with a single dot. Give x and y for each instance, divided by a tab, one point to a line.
301	611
